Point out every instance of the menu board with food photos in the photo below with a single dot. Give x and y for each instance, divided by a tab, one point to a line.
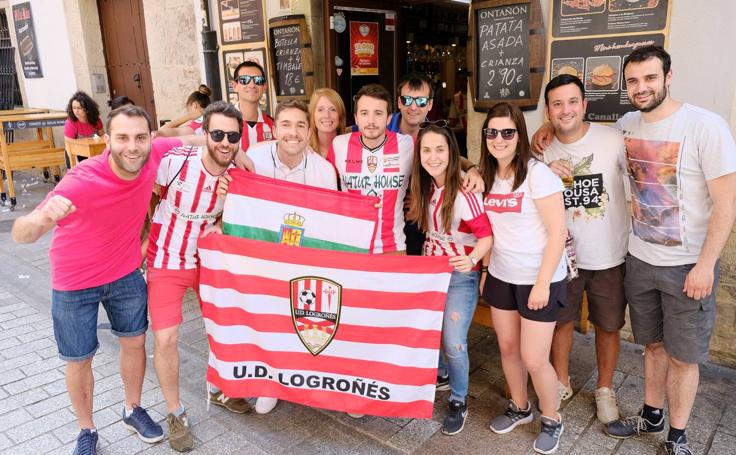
241	21
25	35
591	38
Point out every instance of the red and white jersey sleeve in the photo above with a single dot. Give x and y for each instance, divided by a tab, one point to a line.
189	205
383	172
469	223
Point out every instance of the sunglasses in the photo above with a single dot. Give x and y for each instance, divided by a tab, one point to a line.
232	136
506	134
420	101
438	123
245	79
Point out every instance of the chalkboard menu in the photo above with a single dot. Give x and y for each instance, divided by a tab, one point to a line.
591	38
605	17
25	35
506	53
241	21
291	57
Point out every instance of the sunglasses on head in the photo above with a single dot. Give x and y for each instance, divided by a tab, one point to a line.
245	79
420	101
438	123
506	133
232	136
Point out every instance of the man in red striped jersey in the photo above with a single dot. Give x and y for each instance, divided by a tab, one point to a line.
187	184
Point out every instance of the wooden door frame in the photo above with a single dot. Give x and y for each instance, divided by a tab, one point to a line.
152	108
327	6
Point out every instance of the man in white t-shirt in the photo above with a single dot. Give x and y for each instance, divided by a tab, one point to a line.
682	170
187	183
591	160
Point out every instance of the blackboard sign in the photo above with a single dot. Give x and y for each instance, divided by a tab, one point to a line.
287	49
506	53
291	57
25	35
503	52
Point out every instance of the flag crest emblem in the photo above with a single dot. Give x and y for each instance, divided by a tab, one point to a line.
315	311
292	230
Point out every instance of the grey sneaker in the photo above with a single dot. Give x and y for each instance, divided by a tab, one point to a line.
512	418
443	383
679	447
86	443
180	435
549	436
141	423
634	426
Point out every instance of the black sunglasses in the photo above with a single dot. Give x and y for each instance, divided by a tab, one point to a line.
438	123
232	136
506	133
245	79
420	101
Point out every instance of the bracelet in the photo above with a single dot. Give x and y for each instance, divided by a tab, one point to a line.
484	269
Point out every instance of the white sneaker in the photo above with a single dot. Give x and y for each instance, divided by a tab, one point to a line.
264	405
564	392
607	405
355	416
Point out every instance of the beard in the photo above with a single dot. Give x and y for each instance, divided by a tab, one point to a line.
218	158
658	96
130	168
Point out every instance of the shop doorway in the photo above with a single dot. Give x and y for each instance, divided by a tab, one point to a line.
126	52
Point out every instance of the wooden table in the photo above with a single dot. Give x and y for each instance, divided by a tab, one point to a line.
87	147
38	152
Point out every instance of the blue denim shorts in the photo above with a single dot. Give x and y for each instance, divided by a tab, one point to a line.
75	314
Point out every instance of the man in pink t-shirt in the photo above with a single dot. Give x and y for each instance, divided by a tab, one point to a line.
98	210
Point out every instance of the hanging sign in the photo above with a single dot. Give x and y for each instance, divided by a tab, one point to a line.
363	48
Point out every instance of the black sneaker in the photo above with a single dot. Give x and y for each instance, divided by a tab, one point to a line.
549	436
512	418
455	420
679	447
141	423
634	426
443	383
86	443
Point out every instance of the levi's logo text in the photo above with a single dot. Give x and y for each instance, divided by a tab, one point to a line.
502	203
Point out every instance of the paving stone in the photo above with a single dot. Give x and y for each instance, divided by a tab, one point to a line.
40	444
24	312
6	317
49	405
36	334
16	332
14	418
12	307
126	446
5	442
13	402
8	377
23	321
722	443
31	382
414	434
41	425
53	363
637	446
27	348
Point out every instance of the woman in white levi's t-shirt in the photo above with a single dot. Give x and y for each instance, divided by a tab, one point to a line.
525	285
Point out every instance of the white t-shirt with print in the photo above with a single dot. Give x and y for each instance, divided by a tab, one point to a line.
519	233
669	163
597	215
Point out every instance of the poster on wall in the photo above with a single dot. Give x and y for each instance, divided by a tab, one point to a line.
231	60
363	48
591	38
241	21
25	36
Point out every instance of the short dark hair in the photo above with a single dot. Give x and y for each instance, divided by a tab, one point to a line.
415	81
377	91
224	108
291	104
129	110
642	54
88	104
559	81
248	64
119	101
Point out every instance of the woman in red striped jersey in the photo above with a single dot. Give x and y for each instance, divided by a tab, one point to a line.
456	226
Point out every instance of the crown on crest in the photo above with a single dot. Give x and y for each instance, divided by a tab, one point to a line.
294	219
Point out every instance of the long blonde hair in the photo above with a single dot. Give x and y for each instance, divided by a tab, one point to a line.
334	98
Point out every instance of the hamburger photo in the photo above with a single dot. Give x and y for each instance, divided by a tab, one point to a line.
602	77
567	69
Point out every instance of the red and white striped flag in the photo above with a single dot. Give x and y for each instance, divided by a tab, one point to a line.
335	330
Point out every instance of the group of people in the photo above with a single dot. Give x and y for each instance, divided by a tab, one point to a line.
502	224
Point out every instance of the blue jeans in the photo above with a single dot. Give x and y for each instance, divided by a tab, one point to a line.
462	297
75	314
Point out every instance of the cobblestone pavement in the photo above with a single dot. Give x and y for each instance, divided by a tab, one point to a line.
36	415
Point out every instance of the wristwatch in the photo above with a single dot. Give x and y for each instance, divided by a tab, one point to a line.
473	260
